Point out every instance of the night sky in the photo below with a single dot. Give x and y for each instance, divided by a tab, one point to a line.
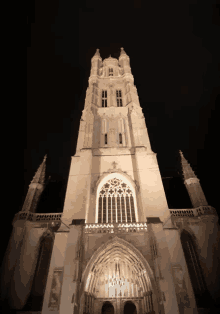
174	58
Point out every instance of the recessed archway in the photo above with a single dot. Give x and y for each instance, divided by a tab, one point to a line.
130	308
107	308
116	270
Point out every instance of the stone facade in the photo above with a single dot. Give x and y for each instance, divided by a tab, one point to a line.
116	245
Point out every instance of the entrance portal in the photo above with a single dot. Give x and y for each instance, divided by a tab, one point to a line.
107	308
130	308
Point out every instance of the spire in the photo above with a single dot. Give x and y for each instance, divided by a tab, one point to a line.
123	53
186	168
97	54
39	176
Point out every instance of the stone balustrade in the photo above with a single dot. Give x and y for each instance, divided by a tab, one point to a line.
193	212
116	227
34	217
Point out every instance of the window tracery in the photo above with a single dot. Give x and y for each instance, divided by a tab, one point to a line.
116	202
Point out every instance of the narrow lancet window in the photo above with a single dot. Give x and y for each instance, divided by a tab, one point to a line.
104	98
110	72
106	142
120	138
119	98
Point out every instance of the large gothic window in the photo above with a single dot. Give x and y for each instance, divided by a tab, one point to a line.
35	300
202	295
116	202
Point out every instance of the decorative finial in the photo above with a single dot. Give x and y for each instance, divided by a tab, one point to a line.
114	164
97	53
45	157
123	52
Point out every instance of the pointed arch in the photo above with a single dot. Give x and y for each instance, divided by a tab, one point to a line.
135	255
116	199
35	299
110	248
201	292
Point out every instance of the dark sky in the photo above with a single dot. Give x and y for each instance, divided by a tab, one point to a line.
174	57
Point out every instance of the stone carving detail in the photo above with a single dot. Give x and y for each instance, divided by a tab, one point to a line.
54	301
194	212
37	217
116	227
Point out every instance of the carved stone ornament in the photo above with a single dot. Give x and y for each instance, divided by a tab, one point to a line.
114	170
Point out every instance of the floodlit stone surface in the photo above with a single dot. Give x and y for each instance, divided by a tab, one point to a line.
116	246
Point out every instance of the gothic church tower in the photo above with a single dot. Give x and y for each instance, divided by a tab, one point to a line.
117	247
111	250
113	138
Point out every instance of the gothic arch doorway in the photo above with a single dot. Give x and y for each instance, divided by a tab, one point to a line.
130	308
117	270
35	299
107	308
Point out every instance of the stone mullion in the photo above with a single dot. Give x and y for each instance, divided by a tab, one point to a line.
130	206
107	207
102	210
125	208
116	211
111	209
120	207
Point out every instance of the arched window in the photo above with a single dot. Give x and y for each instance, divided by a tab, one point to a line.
116	202
202	295
119	98
35	300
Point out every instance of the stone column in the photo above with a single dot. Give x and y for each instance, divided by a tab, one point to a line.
72	269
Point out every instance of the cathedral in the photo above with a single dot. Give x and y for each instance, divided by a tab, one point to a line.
116	247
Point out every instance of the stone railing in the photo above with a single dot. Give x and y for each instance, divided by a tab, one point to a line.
34	217
193	212
116	227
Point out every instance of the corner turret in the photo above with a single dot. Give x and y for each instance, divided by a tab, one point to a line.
124	61
96	63
192	184
36	188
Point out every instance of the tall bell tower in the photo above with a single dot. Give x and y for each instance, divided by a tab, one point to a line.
113	138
